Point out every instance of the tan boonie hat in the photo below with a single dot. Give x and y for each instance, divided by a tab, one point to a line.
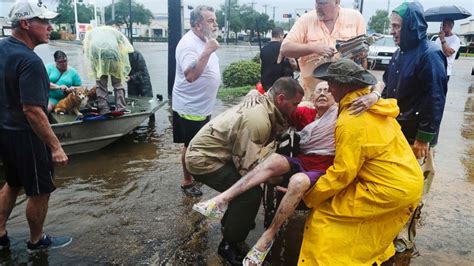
344	71
28	9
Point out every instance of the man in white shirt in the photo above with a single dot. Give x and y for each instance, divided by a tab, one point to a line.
449	43
196	82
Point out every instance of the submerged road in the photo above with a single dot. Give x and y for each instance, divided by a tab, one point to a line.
123	204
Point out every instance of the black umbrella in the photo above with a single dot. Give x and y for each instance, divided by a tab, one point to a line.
446	12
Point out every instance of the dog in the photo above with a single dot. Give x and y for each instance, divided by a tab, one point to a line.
91	97
72	102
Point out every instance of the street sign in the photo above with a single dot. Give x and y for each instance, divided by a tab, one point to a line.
286	15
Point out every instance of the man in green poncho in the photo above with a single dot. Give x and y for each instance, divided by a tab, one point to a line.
107	50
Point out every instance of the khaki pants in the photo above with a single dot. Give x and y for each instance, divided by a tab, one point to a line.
103	92
406	238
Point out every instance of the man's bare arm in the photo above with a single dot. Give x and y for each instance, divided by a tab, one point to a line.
296	50
447	51
40	125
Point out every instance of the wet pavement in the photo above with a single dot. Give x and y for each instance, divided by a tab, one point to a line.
123	204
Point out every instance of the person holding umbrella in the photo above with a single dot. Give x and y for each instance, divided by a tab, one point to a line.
447	41
449	44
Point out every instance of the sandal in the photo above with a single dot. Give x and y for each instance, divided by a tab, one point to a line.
209	209
255	256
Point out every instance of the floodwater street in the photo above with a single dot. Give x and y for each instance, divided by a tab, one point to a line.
123	204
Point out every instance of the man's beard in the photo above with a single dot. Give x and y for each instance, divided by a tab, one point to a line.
208	33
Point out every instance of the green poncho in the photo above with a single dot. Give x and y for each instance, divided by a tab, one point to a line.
107	52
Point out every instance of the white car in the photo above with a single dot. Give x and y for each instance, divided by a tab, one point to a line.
381	52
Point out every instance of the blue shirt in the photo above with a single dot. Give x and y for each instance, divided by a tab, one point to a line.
23	80
69	78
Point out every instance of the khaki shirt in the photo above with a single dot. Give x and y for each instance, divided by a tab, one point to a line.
308	29
240	135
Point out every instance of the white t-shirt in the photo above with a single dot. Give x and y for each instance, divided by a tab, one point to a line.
198	97
454	43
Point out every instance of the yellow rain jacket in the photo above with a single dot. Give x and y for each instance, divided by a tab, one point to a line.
107	51
365	198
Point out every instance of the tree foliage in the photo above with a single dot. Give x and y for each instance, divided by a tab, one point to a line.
85	13
379	22
140	14
244	17
233	16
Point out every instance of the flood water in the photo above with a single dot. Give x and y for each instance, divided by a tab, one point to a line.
123	204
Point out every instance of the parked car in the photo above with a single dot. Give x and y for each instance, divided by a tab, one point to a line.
381	52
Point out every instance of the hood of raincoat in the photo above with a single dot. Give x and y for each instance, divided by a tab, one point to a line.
386	107
414	25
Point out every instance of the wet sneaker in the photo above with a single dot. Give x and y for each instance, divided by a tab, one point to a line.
4	242
49	242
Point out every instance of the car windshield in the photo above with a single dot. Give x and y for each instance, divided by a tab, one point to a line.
385	41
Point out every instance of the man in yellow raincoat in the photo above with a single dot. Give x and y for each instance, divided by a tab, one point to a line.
107	51
374	185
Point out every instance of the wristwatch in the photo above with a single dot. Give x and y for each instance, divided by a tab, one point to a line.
378	94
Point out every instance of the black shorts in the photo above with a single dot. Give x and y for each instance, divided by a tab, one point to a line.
184	130
27	162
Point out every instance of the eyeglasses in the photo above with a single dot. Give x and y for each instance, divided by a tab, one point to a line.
321	90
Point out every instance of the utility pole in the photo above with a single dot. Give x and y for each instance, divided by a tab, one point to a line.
226	23
95	14
130	20
113	9
361	7
274	7
76	21
252	4
174	35
265	6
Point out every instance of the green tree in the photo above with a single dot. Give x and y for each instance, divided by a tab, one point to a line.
233	16
249	20
85	13
379	22
140	14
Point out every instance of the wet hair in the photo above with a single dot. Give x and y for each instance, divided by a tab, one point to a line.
277	32
59	55
449	21
196	14
287	86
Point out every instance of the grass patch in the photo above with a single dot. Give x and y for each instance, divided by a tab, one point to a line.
234	92
466	55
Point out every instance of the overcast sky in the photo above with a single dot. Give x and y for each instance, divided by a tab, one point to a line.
284	6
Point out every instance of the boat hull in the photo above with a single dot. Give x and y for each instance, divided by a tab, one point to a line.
91	135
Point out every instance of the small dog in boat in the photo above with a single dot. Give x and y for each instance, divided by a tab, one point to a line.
72	102
91	96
